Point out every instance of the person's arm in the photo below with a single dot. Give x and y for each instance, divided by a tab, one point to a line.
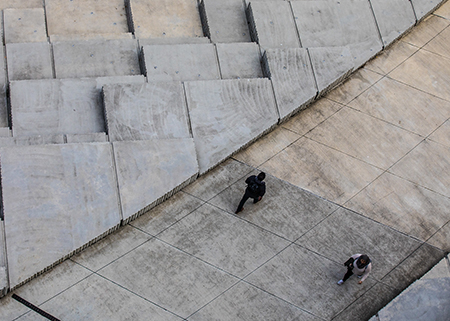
249	179
262	189
366	273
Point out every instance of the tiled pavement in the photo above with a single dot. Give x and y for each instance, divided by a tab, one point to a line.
363	169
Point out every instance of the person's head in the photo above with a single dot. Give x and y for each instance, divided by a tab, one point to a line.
261	176
363	260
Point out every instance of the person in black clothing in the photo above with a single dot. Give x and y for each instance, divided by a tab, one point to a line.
256	189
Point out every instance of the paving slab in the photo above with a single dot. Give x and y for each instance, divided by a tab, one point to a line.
442	238
246	302
393	18
365	137
60	106
338	241
4	4
180	62
439	44
68	198
386	100
31	60
292	77
443	10
96	58
239	251
24	25
172	41
289	211
150	171
272	25
146	111
402	205
338	23
87	138
239	60
227	115
331	65
391	57
426	30
192	282
31	140
84	17
424	7
224	21
284	277
106	301
165	18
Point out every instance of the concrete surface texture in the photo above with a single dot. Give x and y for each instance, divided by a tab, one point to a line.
360	170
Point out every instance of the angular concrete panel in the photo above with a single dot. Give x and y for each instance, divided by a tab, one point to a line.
172	41
224	21
181	62
24	25
4	4
165	18
423	7
84	17
4	282
87	138
4	121
96	58
272	24
292	77
146	111
60	106
331	65
29	61
226	115
393	17
57	198
239	60
31	140
150	171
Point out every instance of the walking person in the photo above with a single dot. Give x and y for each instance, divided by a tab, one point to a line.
358	264
256	189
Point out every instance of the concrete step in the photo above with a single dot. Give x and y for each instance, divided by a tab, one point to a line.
96	58
423	8
31	140
172	41
239	60
27	61
60	106
20	4
90	36
24	25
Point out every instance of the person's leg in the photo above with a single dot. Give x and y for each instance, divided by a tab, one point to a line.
242	202
347	275
257	199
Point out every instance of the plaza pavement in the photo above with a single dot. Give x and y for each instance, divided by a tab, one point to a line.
363	169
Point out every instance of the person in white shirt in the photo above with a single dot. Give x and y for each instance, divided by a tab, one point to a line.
359	264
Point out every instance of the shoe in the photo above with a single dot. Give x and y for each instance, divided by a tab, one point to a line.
238	211
257	200
359	276
340	282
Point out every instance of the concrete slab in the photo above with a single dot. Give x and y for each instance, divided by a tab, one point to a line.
292	77
192	284
337	241
391	57
365	137
227	115
424	7
96	58
442	238
239	60
238	252
4	282
440	270
90	36
150	171
224	21
165	18
31	140
172	41
289	211
272	25
393	17
24	25
87	138
443	10
180	62
60	106
331	65
146	111
4	4
439	44
57	213
426	30
85	17
284	277
247	302
29	61
4	117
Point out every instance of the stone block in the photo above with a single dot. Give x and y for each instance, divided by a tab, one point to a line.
5	4
90	36
24	25
60	106
181	62
31	140
4	282
146	111
84	17
423	8
331	65
29	61
272	24
87	138
224	21
150	171
96	58
4	121
57	199
292	77
239	60
172	41
165	18
226	115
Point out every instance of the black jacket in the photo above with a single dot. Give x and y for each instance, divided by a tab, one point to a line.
261	186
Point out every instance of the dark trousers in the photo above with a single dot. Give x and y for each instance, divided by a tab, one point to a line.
348	274
244	199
